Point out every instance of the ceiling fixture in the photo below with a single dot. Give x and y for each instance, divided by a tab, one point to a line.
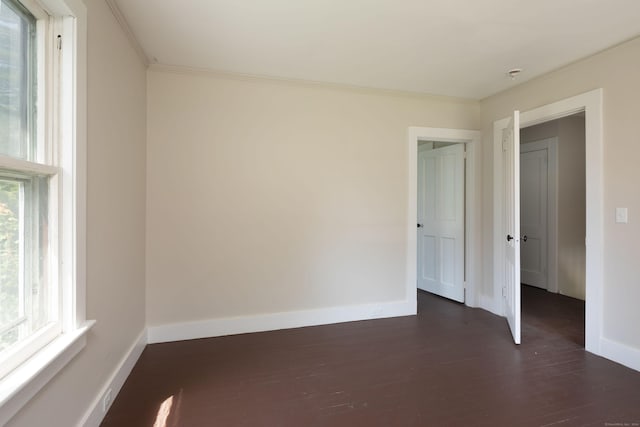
513	73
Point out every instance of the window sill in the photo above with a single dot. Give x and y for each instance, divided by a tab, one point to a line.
18	387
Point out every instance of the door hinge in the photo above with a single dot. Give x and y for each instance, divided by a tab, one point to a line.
504	291
59	42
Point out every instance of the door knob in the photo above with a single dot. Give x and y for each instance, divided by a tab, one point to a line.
509	237
420	225
524	238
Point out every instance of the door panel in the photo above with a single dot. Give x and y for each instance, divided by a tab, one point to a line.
429	258
448	263
511	221
441	216
533	216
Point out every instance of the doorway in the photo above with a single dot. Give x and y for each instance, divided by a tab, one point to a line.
591	104
472	224
553	226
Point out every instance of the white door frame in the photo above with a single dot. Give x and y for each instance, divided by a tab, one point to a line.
591	104
472	140
551	145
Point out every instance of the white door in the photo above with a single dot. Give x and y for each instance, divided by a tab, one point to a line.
533	215
441	221
511	221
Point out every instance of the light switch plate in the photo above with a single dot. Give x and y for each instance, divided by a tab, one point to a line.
622	216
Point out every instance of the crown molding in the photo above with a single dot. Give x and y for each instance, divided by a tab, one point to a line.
120	18
232	75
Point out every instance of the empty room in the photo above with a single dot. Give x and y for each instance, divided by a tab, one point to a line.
325	213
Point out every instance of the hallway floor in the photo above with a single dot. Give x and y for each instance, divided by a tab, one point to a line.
555	315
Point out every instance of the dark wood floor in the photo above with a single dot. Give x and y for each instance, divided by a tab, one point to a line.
450	365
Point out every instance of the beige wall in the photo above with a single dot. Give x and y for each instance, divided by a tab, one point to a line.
616	71
115	224
267	196
570	132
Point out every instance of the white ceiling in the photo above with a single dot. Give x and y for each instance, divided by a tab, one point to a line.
447	47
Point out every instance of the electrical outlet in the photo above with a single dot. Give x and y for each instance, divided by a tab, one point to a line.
106	400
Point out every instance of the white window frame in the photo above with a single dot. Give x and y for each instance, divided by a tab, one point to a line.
65	92
42	163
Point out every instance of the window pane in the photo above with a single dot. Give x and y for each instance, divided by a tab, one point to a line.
17	81
25	297
11	261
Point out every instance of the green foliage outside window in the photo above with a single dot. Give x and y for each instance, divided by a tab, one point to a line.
9	259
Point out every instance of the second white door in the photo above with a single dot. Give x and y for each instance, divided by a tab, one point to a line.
441	221
534	168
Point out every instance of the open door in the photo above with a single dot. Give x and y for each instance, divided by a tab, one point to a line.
511	221
441	221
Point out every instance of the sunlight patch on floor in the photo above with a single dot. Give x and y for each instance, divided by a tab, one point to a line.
163	413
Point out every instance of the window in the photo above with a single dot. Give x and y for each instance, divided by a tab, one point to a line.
42	118
28	290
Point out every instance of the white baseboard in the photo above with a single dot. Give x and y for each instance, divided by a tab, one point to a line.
275	321
489	304
620	353
95	414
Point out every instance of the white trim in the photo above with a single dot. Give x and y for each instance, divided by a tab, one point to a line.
472	205
621	353
17	388
75	8
276	321
16	354
13	164
551	145
35	8
80	160
498	243
126	29
95	414
591	103
490	304
411	273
